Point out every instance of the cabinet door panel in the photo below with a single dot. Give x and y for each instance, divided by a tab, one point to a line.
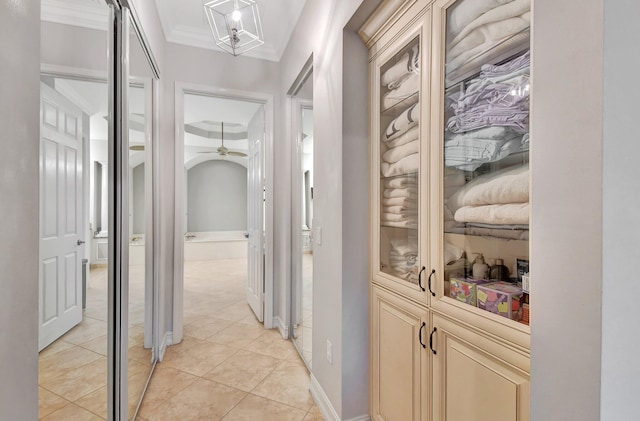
476	378
399	362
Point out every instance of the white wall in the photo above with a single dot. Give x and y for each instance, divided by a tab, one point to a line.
138	187
217	197
621	201
336	182
19	119
566	214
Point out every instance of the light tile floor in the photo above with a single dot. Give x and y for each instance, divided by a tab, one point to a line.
228	367
73	369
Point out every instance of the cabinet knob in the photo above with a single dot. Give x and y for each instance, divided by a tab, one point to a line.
420	278
431	340
433	294
420	335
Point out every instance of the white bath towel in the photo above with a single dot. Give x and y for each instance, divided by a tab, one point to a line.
401	210
404	247
400	182
407	89
489	33
401	224
462	13
395	217
399	201
411	135
407	192
510	185
503	12
451	253
401	124
504	214
394	155
408	65
473	58
408	164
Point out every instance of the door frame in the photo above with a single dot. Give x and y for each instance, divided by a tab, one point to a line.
267	100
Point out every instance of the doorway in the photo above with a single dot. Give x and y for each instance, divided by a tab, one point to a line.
223	197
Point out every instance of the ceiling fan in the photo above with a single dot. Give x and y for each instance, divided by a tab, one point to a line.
224	151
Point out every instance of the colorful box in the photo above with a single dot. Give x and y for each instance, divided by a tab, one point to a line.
464	289
500	298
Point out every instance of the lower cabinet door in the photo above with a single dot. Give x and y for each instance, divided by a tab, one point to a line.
476	378
399	361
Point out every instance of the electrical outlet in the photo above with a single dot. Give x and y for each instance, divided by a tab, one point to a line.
329	351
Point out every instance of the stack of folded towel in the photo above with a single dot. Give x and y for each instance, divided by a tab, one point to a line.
490	117
480	25
403	258
401	146
495	200
399	207
402	79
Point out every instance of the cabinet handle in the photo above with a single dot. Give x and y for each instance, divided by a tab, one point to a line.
420	334
431	340
420	278
433	294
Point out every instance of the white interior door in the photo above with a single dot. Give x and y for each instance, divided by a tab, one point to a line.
255	215
61	228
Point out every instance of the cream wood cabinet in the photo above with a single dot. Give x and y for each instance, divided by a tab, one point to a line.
399	351
450	88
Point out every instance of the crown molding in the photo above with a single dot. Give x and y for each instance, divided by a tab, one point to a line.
86	16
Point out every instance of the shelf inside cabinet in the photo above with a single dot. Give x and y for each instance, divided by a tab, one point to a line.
399	107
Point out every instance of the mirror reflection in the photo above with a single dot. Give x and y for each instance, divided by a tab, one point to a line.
303	220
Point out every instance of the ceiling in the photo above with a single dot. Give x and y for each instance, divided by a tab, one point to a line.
184	21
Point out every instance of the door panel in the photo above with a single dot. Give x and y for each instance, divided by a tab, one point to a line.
476	378
60	210
400	363
255	203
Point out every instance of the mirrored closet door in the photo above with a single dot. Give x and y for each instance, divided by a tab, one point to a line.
302	229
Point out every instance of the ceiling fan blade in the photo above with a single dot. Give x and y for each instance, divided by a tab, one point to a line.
234	153
136	148
208	152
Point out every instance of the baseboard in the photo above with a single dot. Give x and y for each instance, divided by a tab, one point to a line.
284	330
167	340
324	404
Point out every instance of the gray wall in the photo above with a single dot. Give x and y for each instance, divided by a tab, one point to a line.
217	197
19	115
621	224
566	214
138	199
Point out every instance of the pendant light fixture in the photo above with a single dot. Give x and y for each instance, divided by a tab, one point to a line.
235	25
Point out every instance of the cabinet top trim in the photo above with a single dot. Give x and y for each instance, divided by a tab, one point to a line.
382	19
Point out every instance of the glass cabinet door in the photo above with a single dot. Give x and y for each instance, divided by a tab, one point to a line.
399	163
484	133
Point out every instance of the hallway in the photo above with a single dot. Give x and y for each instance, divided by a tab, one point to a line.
228	366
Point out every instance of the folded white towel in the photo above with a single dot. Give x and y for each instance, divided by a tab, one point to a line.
503	12
398	217
510	185
496	34
408	88
409	136
400	182
401	124
399	201
401	210
401	224
463	13
394	155
408	164
408	64
505	214
489	33
451	252
404	192
404	247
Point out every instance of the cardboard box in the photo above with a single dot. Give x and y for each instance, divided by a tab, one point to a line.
501	298
465	289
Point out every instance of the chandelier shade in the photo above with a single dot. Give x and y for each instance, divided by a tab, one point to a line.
235	25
